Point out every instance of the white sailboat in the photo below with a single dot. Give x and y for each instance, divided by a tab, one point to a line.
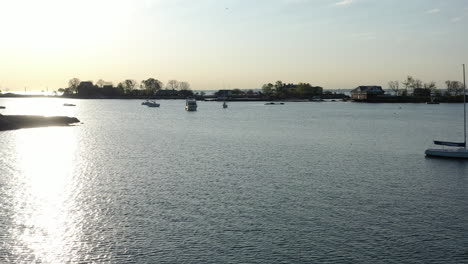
460	151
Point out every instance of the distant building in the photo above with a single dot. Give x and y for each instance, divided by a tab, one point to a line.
289	86
86	89
366	92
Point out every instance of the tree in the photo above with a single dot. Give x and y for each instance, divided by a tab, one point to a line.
267	88
184	86
454	88
73	84
279	88
394	86
100	83
151	85
433	87
307	90
417	84
127	86
184	89
408	83
236	92
172	85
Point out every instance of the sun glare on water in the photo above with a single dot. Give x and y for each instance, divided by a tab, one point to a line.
46	222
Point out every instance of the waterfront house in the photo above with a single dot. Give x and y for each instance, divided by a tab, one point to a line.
366	92
86	89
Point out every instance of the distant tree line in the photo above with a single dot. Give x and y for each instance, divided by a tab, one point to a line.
415	87
283	91
127	88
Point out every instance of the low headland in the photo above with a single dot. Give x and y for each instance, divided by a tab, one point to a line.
411	90
12	122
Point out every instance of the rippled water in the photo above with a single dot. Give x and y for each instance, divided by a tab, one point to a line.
297	183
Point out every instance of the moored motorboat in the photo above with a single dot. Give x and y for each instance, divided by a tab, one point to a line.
151	103
190	104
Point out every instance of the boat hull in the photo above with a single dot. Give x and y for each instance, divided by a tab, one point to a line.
461	153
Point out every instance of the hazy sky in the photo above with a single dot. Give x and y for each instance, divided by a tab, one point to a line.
215	44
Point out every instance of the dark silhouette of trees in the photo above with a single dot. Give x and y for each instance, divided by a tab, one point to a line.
305	90
184	86
394	86
267	89
281	90
151	86
454	88
185	90
172	85
73	85
127	86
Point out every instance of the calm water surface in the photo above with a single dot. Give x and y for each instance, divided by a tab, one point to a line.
327	182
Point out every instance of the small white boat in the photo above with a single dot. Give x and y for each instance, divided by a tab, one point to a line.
460	152
225	105
191	104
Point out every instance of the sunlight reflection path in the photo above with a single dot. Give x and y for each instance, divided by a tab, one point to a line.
46	217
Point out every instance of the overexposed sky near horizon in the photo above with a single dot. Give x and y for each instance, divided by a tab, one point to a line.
215	44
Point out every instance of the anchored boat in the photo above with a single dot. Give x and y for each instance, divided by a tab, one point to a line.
460	152
191	104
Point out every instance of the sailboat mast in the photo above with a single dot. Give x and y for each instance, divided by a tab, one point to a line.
464	103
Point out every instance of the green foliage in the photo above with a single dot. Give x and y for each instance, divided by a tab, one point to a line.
151	85
282	90
267	89
306	90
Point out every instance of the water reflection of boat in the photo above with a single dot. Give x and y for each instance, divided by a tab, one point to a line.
461	152
191	104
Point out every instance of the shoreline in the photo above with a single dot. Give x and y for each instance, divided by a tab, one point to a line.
14	122
209	98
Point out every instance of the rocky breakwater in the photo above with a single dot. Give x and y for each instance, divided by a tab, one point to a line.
10	122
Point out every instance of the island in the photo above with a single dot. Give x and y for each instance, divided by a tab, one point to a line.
11	122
